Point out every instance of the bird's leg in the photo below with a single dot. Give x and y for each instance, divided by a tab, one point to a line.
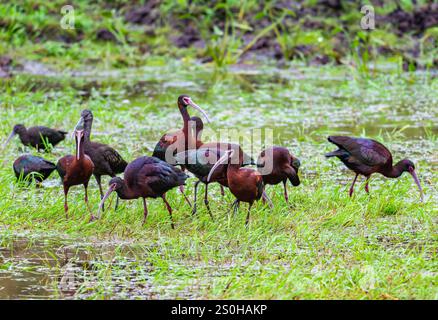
168	209
196	194
247	216
366	185
181	188
99	183
236	207
265	199
206	201
145	212
65	201
86	202
222	191
232	206
352	185
285	191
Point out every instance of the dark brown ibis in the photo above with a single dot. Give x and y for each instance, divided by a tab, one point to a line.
180	140
277	164
245	184
38	137
28	167
199	161
146	177
107	161
366	156
77	169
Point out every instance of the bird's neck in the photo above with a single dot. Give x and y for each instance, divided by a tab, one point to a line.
24	136
87	130
125	192
396	171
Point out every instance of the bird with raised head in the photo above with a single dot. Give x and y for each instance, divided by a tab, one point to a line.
107	161
76	169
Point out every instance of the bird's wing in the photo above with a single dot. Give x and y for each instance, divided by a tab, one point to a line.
114	159
160	177
366	151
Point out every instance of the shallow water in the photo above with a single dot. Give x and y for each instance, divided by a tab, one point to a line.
301	105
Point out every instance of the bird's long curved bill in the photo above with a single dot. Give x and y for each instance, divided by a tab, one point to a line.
102	202
9	139
221	160
417	181
78	143
194	105
78	126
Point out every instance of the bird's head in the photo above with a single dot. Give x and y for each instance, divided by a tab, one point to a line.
86	115
407	165
79	138
184	101
18	128
116	183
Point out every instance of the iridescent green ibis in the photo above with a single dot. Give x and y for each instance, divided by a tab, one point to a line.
77	169
146	177
28	167
107	161
277	164
37	137
366	156
245	184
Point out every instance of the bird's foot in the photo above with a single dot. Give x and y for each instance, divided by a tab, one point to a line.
93	218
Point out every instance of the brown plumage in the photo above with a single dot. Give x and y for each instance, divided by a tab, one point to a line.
277	164
244	183
75	170
107	161
37	137
147	177
366	156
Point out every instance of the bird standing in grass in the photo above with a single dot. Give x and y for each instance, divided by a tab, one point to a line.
277	164
37	137
180	140
77	169
244	183
366	156
146	177
29	167
107	161
197	161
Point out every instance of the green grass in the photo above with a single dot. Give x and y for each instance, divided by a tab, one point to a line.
323	245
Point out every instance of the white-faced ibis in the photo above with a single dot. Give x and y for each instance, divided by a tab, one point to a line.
38	137
107	161
366	156
146	177
180	140
75	170
277	164
31	167
244	183
200	161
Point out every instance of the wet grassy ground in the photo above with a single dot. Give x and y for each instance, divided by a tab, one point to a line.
322	245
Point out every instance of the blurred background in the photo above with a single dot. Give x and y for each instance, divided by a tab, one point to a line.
125	33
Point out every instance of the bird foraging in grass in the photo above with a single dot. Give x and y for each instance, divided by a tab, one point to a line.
28	167
366	156
146	177
37	137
